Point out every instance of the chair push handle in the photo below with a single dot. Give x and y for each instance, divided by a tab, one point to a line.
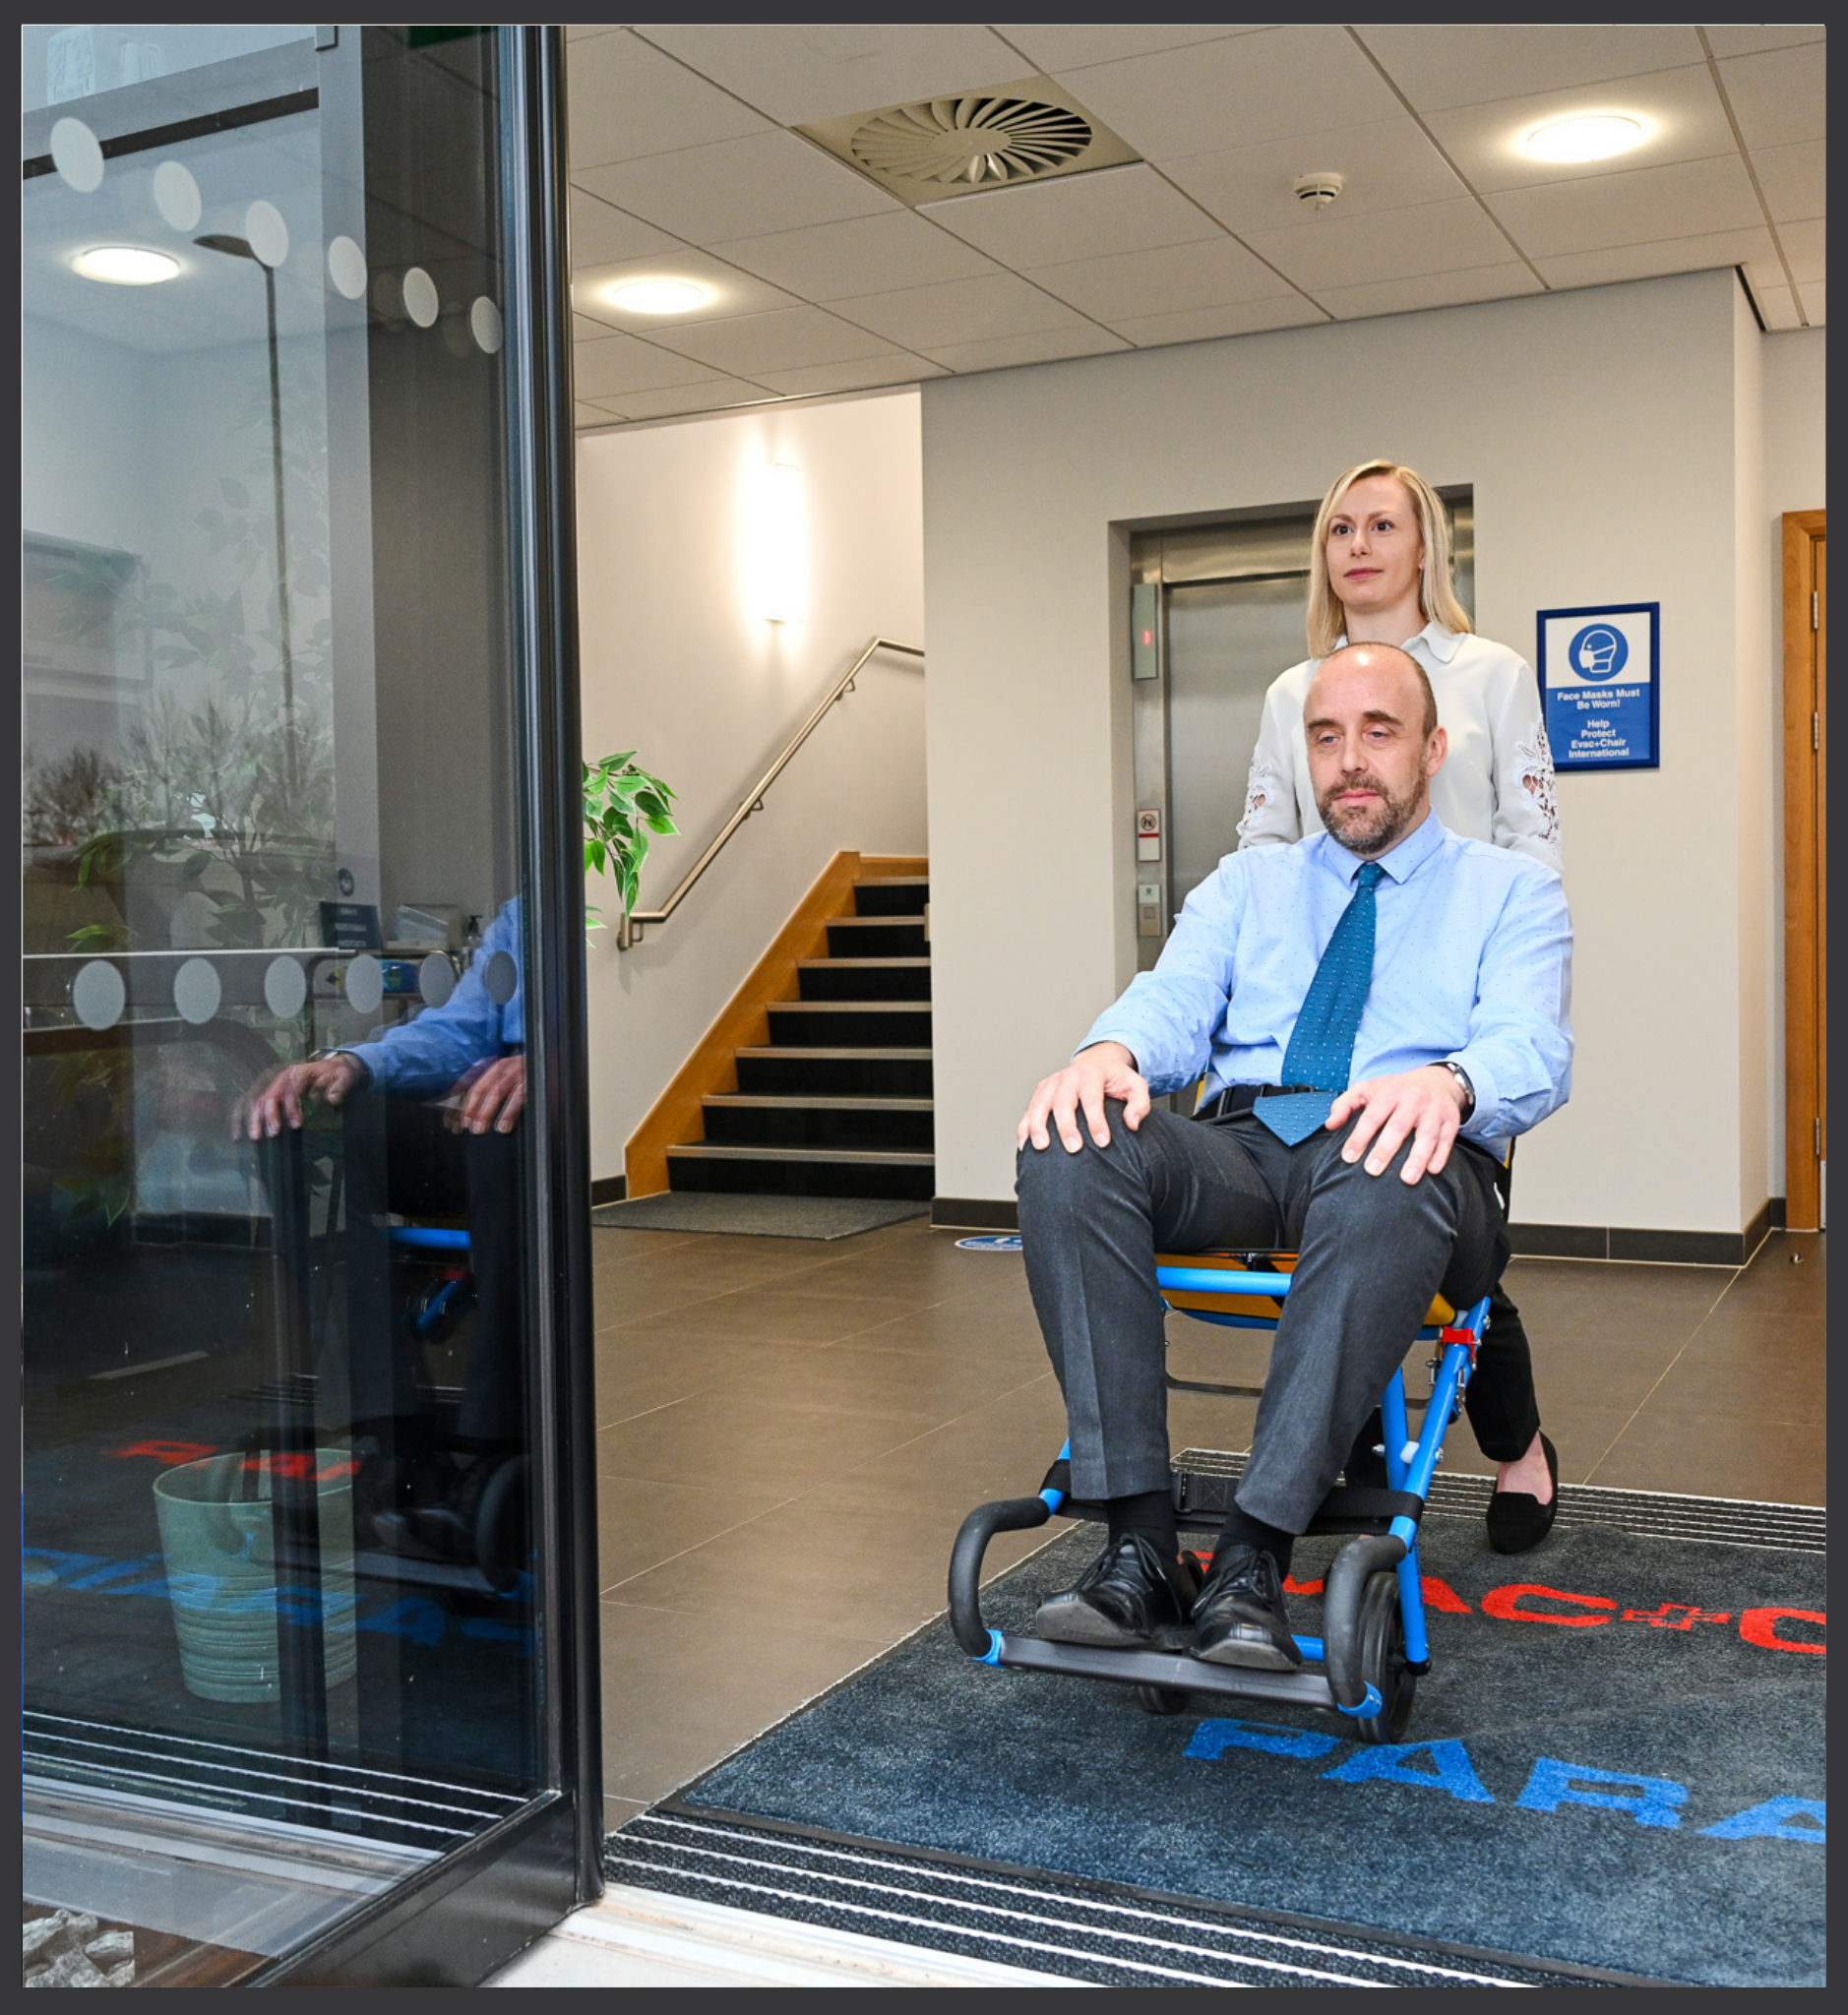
1011	1514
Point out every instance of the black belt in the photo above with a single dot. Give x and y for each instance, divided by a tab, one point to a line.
1237	1099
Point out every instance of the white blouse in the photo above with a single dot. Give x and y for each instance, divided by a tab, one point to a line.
1497	782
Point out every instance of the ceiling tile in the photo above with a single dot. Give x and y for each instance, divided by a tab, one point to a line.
1680	111
1778	306
1163	281
1778	97
748	345
860	255
1813	301
583	329
583	31
602	235
1236	92
1390	244
589	416
1075	216
1044	346
1700	252
799	71
1198	325
1794	179
694	399
1387	164
1806	246
896	367
731	293
1630	209
1428	291
1437	64
612	365
959	311
628	99
1070	45
1748	41
738	189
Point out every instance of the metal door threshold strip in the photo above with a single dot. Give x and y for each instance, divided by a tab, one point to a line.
1093	1931
1731	1521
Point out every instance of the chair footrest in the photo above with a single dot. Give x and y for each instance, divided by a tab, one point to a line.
1202	1497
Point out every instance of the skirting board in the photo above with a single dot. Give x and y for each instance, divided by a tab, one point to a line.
1530	1240
608	1189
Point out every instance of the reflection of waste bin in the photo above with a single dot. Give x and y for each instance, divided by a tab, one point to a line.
217	1539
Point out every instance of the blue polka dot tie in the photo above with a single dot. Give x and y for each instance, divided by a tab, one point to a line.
1321	1044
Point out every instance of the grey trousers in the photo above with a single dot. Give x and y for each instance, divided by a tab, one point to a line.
1374	1250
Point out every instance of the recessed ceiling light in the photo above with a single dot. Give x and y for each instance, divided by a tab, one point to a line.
125	266
1584	139
660	296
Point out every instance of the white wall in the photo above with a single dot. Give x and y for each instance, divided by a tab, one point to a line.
1796	402
679	666
1600	431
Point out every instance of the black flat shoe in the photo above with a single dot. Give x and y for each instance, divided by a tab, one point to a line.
1238	1618
1517	1520
1126	1596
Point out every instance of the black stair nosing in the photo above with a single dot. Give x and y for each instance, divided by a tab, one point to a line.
852	1157
782	1053
1077	1898
821	1101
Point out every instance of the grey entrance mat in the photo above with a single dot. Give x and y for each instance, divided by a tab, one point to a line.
759	1217
1615	1764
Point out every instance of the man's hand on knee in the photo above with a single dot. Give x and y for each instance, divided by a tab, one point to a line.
1424	1106
1104	1071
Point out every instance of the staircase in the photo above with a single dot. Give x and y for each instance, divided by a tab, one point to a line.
838	1102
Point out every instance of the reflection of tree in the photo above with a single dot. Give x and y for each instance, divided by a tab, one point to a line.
70	801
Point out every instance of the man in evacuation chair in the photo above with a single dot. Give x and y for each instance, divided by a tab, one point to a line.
1378	1011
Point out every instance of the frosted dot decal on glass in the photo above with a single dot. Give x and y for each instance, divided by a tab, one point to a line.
197	991
484	323
347	268
99	994
365	983
176	196
284	988
267	232
421	297
436	979
77	154
501	978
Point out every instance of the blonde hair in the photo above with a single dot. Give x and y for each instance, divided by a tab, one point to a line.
1437	598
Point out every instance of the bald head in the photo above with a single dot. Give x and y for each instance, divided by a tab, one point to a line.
1370	723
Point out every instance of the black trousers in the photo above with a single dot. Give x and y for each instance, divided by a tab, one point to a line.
400	1159
1373	1248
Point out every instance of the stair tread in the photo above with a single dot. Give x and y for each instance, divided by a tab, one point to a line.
874	923
705	1150
824	1101
849	1007
862	1053
892	882
911	959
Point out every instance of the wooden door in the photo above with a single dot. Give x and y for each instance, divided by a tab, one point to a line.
1806	807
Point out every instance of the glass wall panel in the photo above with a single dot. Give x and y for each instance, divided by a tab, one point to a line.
282	1597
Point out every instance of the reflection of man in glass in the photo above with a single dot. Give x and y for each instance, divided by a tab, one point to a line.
429	1127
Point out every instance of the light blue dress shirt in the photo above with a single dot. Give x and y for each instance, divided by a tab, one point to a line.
1472	963
423	1057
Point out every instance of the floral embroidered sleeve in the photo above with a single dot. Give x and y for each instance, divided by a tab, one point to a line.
1526	792
1271	816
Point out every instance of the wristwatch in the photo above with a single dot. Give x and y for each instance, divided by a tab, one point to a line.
1462	1075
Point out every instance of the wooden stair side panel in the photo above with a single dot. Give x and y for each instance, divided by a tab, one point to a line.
678	1116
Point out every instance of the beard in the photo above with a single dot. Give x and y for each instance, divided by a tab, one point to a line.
1370	829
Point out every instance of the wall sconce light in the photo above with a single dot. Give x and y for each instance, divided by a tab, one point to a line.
779	544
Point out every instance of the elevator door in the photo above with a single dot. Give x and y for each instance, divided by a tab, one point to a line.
1227	640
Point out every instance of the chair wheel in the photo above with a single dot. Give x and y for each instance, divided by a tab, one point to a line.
1162	1700
1383	1659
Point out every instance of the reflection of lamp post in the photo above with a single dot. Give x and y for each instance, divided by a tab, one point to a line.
240	248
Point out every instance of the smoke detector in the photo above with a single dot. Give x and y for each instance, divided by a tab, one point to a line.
1319	189
956	146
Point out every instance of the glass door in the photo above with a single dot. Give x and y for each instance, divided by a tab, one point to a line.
307	1675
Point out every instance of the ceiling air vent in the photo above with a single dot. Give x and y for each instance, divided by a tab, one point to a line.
955	146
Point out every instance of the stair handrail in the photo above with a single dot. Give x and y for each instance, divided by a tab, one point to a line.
629	929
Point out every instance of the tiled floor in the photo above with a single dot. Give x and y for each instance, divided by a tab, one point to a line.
789	1433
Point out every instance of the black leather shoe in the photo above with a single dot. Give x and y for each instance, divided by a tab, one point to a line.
1517	1520
1126	1596
1238	1618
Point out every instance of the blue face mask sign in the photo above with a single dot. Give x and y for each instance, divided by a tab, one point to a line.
1600	678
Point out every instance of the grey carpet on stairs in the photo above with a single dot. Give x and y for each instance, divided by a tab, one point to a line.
1615	1762
759	1217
